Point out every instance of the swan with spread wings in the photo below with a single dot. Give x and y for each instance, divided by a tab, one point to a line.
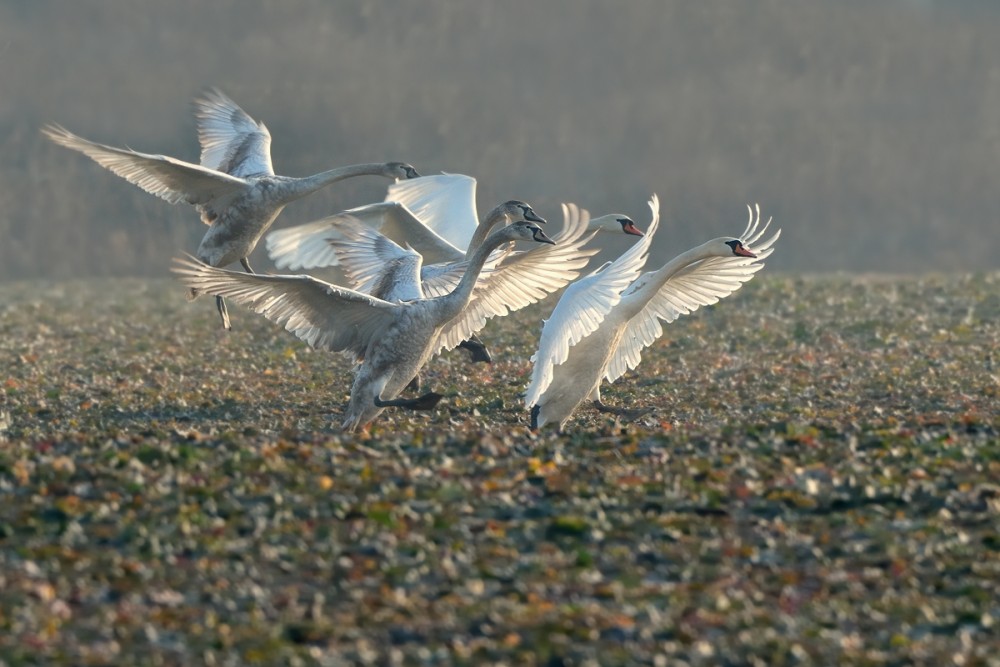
605	320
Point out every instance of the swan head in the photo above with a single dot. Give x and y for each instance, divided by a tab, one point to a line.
400	171
525	230
733	247
515	210
615	222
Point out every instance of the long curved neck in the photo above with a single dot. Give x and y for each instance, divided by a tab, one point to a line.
634	301
300	187
454	302
486	225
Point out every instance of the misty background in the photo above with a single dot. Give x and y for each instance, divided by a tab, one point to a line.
869	129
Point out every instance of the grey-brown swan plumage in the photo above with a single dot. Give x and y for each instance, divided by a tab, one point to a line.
234	188
391	341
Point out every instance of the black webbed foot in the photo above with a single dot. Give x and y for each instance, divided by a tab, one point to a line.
535	410
477	350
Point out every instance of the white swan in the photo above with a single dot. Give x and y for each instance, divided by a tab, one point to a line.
603	321
234	188
392	341
435	215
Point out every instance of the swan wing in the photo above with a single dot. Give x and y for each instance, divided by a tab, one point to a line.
308	246
524	278
443	203
375	264
323	315
701	284
168	178
583	307
231	141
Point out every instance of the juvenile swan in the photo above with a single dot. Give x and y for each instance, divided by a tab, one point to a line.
234	188
392	341
603	321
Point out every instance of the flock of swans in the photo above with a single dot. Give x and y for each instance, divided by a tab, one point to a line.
421	271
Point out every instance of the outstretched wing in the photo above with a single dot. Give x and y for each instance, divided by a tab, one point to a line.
231	141
323	315
700	284
170	179
374	264
444	203
583	307
308	246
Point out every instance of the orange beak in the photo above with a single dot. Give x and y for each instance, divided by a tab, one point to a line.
632	229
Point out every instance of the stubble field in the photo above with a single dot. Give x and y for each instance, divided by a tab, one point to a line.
818	483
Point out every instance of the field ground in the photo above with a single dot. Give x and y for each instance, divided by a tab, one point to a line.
819	483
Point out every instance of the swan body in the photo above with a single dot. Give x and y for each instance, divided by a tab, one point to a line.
603	321
392	341
234	189
435	215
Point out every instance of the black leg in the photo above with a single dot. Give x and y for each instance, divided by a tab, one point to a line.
414	384
246	264
477	350
220	303
426	402
535	409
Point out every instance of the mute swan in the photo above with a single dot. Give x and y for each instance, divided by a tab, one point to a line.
234	188
435	215
391	340
603	321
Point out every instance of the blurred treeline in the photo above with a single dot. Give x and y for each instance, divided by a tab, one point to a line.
870	129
